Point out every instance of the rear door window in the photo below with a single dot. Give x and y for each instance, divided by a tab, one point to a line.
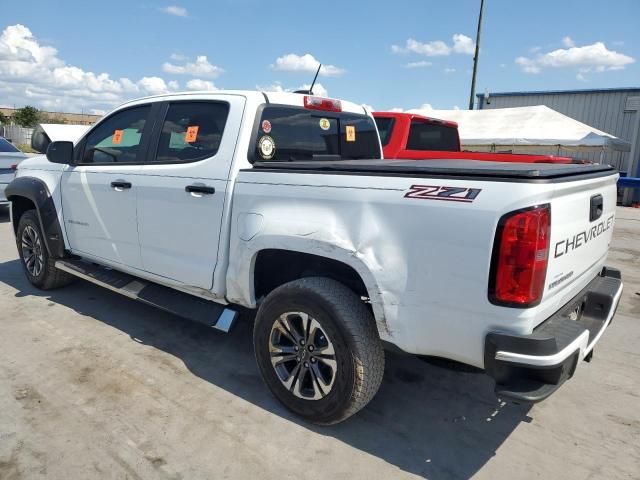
293	133
429	136
192	131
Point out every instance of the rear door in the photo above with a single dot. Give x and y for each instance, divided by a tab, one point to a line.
99	192
181	193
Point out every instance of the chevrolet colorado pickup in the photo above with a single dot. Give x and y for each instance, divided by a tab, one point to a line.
416	137
202	203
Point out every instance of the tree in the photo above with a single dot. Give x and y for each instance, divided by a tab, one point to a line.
27	116
3	119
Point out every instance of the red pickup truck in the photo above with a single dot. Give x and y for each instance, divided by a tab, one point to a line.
416	137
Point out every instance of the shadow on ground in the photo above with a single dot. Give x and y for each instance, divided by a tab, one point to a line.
426	420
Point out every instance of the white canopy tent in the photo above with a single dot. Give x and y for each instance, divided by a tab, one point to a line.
537	129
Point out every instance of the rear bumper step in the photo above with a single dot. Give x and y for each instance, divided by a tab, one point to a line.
173	301
529	368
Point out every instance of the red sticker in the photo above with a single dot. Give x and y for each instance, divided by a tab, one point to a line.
192	134
117	137
266	126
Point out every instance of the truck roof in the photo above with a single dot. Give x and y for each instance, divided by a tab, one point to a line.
285	98
412	116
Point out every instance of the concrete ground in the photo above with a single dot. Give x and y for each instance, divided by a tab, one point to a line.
95	386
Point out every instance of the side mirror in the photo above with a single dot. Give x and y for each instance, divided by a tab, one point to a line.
60	152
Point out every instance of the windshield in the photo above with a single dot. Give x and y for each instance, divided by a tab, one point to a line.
385	127
288	133
6	146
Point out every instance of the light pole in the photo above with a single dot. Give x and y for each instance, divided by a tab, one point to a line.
475	58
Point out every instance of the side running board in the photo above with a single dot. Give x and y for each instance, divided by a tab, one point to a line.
173	301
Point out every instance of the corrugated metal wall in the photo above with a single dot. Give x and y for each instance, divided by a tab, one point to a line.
603	109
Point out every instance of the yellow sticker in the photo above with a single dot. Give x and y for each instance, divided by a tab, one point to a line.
325	124
351	133
117	137
192	134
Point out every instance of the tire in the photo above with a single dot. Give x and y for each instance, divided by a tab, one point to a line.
327	388
40	270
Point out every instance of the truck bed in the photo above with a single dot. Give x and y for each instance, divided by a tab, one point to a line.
490	171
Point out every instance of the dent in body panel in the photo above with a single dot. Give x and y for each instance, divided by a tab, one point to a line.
354	234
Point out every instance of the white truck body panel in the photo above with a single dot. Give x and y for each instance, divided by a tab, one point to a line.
425	264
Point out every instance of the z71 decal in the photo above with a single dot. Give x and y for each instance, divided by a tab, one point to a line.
450	194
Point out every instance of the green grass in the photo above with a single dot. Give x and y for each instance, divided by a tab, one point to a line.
23	147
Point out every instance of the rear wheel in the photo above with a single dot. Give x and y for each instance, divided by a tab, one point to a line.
318	349
37	264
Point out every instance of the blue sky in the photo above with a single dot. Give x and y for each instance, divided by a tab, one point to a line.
67	56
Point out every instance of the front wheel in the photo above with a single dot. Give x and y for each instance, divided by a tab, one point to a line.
37	264
318	349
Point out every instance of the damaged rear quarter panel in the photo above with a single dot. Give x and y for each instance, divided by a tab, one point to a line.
425	263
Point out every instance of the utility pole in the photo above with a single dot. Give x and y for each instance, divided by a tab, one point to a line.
475	58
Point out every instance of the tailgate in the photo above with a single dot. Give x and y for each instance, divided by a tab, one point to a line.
582	218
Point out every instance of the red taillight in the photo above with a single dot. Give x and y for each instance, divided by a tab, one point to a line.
520	257
319	103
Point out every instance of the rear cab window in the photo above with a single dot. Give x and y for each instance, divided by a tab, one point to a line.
288	133
432	136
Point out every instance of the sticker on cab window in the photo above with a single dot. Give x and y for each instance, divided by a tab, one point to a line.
325	124
266	126
266	147
192	134
351	133
117	137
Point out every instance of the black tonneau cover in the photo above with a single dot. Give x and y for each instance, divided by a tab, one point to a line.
444	168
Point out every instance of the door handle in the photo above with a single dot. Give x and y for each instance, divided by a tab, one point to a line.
120	185
200	189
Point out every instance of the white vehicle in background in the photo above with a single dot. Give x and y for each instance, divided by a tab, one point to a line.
10	157
201	202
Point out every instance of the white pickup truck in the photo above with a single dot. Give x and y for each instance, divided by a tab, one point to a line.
202	202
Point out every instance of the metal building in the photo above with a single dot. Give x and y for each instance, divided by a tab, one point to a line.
612	110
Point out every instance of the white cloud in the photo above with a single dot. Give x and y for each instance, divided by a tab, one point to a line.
596	57
456	107
449	70
425	106
198	84
581	77
396	110
568	42
199	68
305	63
175	10
461	44
32	73
318	88
420	64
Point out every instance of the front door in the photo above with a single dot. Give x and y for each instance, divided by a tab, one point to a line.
99	192
181	195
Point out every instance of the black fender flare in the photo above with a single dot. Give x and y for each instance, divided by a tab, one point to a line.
37	192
